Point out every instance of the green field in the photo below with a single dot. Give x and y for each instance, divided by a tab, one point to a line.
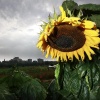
43	73
18	82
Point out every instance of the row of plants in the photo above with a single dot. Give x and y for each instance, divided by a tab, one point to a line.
43	73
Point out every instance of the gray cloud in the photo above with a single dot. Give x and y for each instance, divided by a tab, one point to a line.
20	24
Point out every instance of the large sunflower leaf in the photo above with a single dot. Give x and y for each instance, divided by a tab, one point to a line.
67	75
71	81
53	93
17	79
95	93
5	93
90	81
69	4
84	92
75	83
92	7
96	75
32	90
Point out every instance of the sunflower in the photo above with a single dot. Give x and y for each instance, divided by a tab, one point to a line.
67	37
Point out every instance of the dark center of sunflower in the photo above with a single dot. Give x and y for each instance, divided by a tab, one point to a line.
64	41
66	38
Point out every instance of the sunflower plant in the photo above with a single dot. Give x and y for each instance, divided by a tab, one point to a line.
74	41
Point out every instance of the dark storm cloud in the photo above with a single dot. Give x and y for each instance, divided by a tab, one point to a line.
19	25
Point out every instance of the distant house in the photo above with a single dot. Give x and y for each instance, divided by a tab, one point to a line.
29	60
16	59
40	60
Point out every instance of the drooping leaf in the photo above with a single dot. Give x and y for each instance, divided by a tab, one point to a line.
69	4
92	7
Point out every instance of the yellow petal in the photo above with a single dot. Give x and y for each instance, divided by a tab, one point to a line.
62	12
91	33
46	28
50	31
70	55
48	51
44	46
92	52
76	54
41	36
74	18
81	53
87	52
52	53
66	19
96	40
59	19
92	45
39	44
89	40
45	37
88	24
58	55
63	56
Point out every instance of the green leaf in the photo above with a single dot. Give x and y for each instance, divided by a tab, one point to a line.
75	83
55	15
80	14
5	93
64	93
92	7
24	86
82	69
67	75
95	18
57	72
32	90
53	93
84	93
95	93
69	4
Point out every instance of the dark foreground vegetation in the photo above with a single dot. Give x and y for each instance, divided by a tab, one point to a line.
25	83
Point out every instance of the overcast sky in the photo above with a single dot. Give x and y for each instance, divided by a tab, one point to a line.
20	22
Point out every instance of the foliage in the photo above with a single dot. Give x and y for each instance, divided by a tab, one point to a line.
43	73
92	7
78	83
20	86
5	93
96	19
90	11
73	80
69	4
